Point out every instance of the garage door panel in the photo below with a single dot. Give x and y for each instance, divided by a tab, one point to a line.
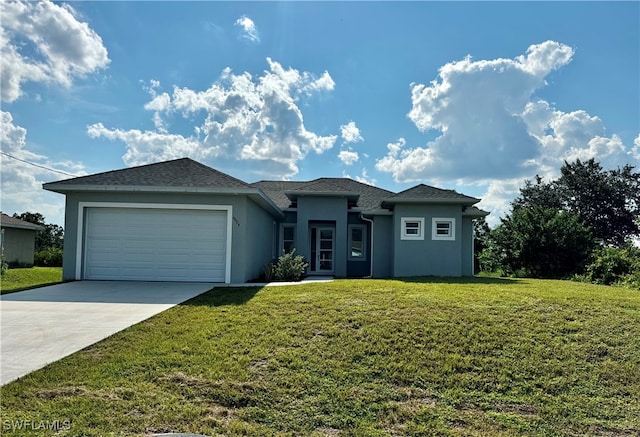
155	244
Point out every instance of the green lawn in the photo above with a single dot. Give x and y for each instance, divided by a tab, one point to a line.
23	279
482	357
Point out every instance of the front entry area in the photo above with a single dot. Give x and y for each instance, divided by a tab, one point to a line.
322	249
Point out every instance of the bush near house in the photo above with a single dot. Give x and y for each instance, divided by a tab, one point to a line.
289	267
49	257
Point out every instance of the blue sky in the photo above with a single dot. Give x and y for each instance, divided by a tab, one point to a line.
473	96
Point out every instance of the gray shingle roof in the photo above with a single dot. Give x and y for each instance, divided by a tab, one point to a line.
324	185
182	172
370	196
12	222
275	190
426	193
475	212
186	173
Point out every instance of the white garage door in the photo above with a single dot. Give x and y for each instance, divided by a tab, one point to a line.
155	244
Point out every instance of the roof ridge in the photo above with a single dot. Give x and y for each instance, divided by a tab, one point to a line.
423	192
10	221
431	187
181	172
129	168
320	181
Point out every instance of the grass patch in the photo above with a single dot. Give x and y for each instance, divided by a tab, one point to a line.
485	356
24	279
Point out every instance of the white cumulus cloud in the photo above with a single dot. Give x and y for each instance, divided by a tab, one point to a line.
635	152
476	105
498	197
349	157
239	116
350	133
59	47
249	31
489	125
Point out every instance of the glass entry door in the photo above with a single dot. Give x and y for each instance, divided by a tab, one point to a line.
322	242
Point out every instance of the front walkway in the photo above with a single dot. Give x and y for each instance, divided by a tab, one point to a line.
307	280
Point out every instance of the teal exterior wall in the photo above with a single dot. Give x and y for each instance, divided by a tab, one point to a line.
467	247
427	257
327	210
247	233
256	234
259	239
383	238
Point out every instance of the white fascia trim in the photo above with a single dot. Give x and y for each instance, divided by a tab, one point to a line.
80	260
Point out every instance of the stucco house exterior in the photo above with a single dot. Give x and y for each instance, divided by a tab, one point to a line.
181	220
17	240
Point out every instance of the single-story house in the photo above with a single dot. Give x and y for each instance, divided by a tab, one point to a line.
17	241
181	220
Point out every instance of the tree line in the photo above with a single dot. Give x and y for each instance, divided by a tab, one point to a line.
581	225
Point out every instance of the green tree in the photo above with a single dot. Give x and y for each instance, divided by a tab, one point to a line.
539	242
52	236
608	202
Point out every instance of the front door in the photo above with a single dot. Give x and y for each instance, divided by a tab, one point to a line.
322	242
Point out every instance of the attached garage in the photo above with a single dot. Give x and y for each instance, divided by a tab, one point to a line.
155	242
176	220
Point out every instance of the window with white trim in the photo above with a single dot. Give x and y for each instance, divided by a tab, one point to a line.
412	228
357	242
288	238
443	229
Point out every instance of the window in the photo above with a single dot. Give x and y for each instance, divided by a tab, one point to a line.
412	228
443	229
357	242
288	236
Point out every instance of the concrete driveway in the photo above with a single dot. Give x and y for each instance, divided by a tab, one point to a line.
46	324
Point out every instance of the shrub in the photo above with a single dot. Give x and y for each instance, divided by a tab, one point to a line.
3	265
290	267
615	266
49	257
269	272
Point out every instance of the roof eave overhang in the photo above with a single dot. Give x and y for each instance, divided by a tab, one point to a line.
475	214
25	227
377	211
256	194
340	194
